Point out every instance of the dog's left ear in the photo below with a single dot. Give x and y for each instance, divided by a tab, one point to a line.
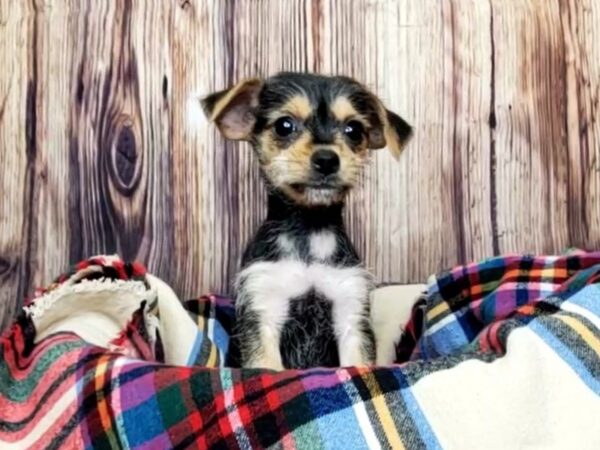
395	132
233	109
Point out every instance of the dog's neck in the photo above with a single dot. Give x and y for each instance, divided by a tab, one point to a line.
282	209
293	231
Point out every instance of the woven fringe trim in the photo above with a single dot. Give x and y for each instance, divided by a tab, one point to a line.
44	303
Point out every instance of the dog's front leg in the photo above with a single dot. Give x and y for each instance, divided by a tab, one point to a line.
258	334
356	342
262	308
352	325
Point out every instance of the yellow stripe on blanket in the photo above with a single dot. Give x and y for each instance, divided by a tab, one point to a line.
583	331
212	357
385	417
101	377
212	360
437	310
201	321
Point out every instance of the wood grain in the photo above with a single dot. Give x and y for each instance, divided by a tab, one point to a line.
103	147
582	77
531	162
16	157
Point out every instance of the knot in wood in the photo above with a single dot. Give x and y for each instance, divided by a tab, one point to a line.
4	265
125	158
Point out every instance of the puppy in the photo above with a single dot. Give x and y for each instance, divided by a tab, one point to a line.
302	295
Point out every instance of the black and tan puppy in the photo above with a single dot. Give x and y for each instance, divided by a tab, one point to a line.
302	296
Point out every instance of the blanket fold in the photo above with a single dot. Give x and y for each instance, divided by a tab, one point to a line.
504	353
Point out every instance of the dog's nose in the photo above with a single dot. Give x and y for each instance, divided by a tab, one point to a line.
325	161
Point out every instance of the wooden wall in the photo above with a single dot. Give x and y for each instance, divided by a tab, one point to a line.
102	146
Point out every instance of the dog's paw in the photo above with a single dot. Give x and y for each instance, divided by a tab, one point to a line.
355	357
265	363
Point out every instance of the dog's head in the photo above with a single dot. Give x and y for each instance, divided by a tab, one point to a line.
312	133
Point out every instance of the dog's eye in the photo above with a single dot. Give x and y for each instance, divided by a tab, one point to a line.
284	126
354	130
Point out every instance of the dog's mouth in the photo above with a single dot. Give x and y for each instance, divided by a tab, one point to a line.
301	188
325	185
318	193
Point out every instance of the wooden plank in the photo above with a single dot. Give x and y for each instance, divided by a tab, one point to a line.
108	183
199	66
139	111
531	162
471	94
580	20
51	46
16	155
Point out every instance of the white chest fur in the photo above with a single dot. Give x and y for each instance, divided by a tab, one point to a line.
322	245
270	286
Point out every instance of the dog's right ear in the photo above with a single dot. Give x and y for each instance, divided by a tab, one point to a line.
233	110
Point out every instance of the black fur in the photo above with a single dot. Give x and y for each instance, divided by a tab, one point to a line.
246	326
298	222
400	126
307	338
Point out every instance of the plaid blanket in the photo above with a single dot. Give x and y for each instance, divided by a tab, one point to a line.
500	354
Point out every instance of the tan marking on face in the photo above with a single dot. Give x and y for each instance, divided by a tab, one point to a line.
351	160
298	106
289	165
343	110
267	148
301	150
